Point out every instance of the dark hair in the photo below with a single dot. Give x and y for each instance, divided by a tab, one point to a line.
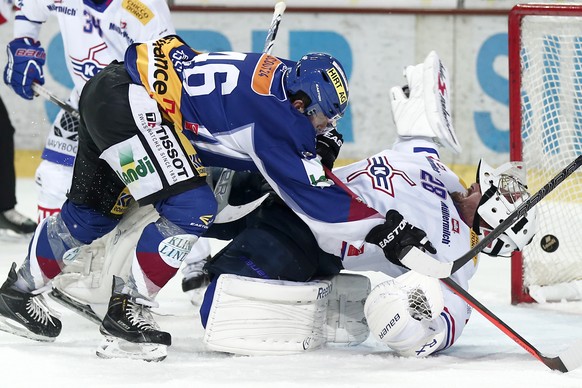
300	95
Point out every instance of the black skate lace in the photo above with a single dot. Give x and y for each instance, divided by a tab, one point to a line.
140	316
39	310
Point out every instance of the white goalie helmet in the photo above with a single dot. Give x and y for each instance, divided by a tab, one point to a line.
503	190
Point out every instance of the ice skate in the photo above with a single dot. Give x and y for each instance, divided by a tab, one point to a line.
15	225
130	331
195	280
25	314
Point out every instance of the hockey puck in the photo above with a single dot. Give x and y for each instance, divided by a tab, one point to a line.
549	243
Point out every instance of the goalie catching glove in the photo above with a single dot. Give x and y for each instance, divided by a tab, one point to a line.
423	108
25	61
395	234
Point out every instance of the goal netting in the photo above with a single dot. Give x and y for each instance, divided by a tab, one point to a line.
545	74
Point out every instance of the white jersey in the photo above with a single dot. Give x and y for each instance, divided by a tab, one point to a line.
94	34
418	185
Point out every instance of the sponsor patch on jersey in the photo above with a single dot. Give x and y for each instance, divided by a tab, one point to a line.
133	166
139	10
264	74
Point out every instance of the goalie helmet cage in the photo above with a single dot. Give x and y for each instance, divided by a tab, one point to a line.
545	103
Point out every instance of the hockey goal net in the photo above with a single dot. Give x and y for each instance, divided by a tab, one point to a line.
545	75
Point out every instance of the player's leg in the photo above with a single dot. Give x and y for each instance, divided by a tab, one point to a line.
129	130
284	283
55	243
55	172
10	219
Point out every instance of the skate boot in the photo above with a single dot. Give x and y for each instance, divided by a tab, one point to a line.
195	276
26	314
13	221
131	332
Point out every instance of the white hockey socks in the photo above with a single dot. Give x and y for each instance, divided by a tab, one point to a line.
403	313
426	110
274	317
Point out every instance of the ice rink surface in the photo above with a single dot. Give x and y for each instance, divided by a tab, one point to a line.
483	356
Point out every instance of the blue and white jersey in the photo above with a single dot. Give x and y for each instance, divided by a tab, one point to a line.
234	109
93	36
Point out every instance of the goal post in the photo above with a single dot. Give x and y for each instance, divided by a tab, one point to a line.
545	111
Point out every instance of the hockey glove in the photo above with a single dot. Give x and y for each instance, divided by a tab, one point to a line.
328	146
25	61
395	234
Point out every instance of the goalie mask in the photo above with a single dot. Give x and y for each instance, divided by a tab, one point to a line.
322	78
503	190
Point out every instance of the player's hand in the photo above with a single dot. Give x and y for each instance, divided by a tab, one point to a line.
25	61
395	234
328	146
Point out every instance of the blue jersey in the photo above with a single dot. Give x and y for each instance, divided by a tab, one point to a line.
234	109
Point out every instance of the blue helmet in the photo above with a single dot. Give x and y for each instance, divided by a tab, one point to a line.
324	80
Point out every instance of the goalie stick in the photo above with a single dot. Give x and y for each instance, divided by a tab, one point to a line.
419	261
566	361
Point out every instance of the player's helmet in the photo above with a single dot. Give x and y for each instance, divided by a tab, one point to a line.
503	190
322	78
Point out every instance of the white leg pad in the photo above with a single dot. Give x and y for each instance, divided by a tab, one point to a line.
267	317
404	313
346	323
88	278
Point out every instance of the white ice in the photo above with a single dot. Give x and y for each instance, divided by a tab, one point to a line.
483	356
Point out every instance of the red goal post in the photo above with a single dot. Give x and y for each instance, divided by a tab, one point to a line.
545	107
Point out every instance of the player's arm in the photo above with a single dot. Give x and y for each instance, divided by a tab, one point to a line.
152	20
26	56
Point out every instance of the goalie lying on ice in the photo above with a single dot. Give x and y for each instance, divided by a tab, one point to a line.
426	205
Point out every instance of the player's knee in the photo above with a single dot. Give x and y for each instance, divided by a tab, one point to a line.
262	253
85	224
192	211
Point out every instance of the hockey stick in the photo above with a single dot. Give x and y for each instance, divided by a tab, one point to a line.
419	261
224	183
566	361
41	91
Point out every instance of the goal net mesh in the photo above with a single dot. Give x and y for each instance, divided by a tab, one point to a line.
550	59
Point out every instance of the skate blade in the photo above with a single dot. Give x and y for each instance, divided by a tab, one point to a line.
9	326
8	235
112	347
85	310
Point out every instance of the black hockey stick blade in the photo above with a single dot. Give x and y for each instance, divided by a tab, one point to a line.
566	361
418	261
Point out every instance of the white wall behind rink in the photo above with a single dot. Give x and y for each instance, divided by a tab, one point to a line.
380	46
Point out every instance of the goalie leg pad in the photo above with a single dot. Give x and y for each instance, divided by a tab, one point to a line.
403	313
252	316
346	323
